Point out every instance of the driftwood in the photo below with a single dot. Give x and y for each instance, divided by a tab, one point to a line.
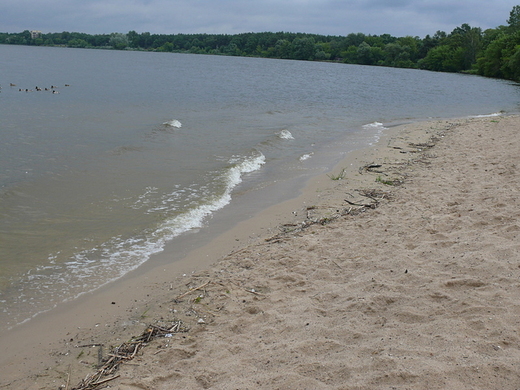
422	146
375	195
368	205
369	168
125	352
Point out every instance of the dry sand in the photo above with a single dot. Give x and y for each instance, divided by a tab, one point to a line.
404	275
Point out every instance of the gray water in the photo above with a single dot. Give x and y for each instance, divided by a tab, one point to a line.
136	149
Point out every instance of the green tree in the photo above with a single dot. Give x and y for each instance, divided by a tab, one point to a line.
98	40
354	39
81	43
233	50
303	49
364	54
145	40
490	63
322	52
469	40
282	49
411	46
349	55
512	67
168	46
443	58
133	39
500	59
514	18
398	56
118	41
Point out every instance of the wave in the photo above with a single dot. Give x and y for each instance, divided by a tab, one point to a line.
285	134
374	125
305	156
378	128
487	115
195	217
173	123
90	269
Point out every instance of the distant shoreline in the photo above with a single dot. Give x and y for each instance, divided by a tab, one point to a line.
466	49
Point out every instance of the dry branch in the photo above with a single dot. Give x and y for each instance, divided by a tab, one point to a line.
194	289
125	352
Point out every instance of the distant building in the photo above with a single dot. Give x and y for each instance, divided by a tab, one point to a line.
36	34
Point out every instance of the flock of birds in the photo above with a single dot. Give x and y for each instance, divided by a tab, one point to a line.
52	88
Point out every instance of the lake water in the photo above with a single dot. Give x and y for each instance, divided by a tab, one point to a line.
133	150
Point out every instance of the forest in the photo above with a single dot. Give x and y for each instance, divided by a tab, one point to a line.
493	52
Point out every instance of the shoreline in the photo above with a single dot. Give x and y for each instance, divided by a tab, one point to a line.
52	357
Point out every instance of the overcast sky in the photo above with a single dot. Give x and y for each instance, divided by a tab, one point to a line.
328	17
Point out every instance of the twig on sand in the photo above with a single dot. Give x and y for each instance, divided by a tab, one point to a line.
249	290
254	292
89	345
194	289
105	380
68	379
359	204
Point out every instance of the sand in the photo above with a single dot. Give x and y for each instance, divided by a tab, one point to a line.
404	274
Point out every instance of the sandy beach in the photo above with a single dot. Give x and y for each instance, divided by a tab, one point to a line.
398	270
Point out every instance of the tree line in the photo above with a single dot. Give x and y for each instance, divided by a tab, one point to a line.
493	52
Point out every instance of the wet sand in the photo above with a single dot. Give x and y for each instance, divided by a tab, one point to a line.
403	274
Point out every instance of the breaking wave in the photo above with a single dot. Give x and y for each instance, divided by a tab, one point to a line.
173	123
305	156
488	115
377	128
89	269
285	134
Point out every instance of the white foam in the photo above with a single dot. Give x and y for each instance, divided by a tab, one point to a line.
194	218
487	115
138	250
378	127
305	156
374	125
285	134
173	123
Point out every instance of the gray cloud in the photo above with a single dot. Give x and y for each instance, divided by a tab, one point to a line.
329	17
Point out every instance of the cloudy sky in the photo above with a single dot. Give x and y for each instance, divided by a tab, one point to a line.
328	17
